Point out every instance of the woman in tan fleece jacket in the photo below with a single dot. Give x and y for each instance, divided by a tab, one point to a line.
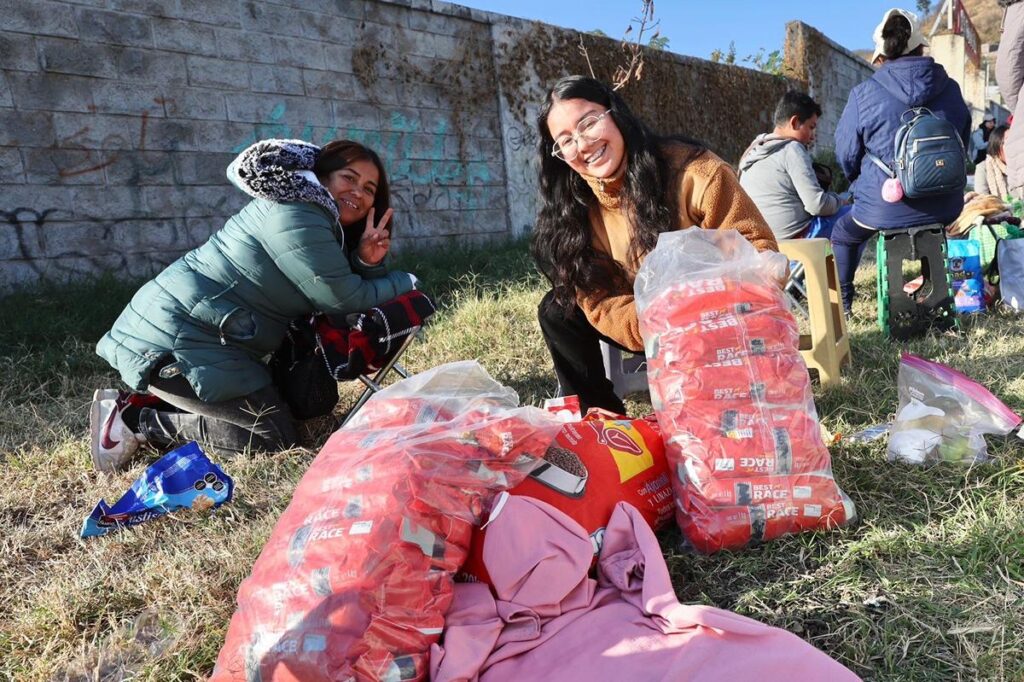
609	187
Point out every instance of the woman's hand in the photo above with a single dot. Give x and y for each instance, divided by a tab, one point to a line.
376	239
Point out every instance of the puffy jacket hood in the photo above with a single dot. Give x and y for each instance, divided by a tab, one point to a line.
763	146
914	81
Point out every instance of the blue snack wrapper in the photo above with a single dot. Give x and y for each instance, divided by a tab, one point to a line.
184	477
966	275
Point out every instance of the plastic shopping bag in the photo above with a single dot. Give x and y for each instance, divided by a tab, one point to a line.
356	576
988	237
1010	261
944	415
732	393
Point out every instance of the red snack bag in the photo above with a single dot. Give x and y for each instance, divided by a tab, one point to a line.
779	378
711	529
716	442
732	492
752	427
592	465
689	301
698	472
727	337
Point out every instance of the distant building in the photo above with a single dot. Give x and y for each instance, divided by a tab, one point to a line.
956	45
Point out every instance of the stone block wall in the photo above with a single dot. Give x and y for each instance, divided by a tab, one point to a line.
118	117
829	71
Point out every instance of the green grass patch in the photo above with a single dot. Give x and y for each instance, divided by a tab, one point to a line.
929	585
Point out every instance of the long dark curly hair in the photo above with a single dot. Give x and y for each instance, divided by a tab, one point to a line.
561	242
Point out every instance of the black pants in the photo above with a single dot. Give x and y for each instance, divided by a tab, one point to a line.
574	346
260	421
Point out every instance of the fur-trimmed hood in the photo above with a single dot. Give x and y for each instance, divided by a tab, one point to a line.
281	171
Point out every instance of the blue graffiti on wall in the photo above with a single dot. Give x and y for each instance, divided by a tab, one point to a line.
396	148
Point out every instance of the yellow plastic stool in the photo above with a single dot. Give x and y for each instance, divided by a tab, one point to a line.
827	347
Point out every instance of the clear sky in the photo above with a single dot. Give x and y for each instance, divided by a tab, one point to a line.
696	27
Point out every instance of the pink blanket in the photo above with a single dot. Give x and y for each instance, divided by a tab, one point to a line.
550	621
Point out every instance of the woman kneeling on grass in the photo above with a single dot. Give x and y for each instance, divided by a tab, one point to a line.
610	186
196	337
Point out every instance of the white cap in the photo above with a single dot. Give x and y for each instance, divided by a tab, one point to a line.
917	38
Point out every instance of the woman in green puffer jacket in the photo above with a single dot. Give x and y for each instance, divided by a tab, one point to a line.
192	343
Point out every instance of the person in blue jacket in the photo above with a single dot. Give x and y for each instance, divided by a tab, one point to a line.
196	338
905	79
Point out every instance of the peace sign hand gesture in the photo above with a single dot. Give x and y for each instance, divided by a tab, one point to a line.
376	239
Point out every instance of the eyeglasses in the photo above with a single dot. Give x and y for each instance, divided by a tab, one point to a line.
567	147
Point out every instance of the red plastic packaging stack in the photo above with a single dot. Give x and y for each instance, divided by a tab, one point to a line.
732	394
356	577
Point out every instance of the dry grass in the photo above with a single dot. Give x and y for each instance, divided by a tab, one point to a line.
928	586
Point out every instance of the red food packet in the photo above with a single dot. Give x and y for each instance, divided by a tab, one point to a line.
593	465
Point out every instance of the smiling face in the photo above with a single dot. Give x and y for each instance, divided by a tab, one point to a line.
601	151
354	188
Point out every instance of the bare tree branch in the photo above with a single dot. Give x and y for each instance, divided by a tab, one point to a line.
634	49
634	67
586	55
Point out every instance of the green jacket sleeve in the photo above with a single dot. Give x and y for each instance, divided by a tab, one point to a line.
366	271
301	240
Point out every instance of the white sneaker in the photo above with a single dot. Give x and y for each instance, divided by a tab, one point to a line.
113	443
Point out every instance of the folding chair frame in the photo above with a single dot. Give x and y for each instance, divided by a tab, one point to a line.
374	384
796	283
904	316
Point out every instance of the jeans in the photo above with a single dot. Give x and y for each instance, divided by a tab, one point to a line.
260	421
575	348
822	226
848	242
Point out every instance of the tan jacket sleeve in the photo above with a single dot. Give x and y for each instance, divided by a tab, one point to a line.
712	198
614	316
724	204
